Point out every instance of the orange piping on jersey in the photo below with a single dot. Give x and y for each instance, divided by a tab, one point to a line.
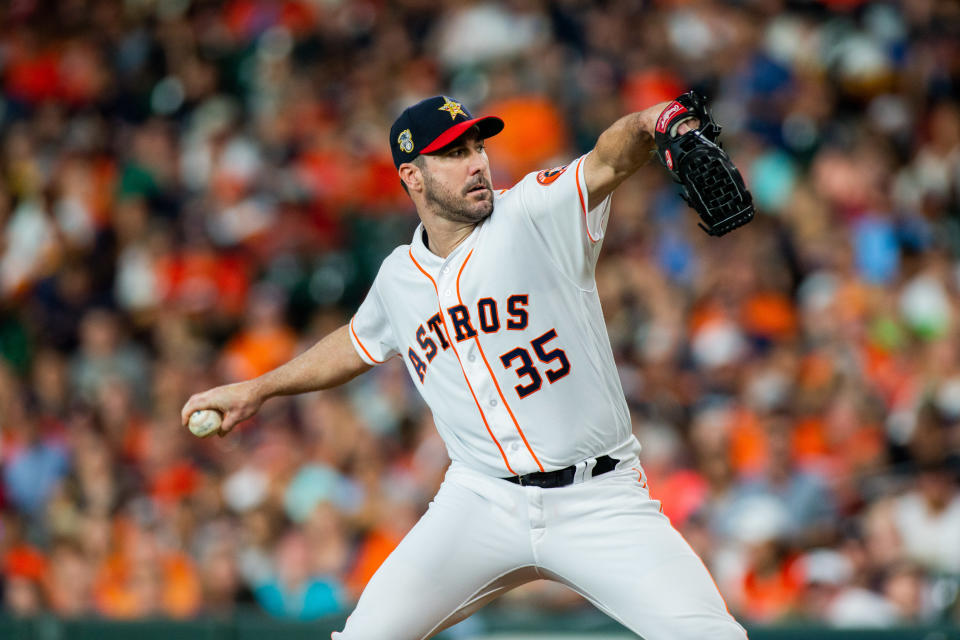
492	376
447	331
583	205
357	338
641	480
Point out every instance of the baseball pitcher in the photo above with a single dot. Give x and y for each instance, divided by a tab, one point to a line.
493	309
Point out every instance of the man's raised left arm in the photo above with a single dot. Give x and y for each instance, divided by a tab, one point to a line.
623	148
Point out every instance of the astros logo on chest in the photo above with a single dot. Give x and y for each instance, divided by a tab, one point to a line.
463	326
461	323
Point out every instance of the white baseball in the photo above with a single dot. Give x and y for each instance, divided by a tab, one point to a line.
204	422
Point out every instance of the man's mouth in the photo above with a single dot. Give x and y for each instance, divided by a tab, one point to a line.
478	187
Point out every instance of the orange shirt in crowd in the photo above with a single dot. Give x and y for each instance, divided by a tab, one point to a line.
681	494
748	444
535	137
169	586
24	561
373	550
254	351
770	314
772	595
204	280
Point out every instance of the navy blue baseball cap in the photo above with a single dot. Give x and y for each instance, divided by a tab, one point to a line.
432	124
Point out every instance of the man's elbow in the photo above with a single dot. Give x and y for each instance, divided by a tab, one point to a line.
603	175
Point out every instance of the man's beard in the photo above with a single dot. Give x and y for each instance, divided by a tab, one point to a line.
457	207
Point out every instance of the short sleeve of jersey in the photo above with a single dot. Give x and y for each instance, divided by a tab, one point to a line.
371	332
555	202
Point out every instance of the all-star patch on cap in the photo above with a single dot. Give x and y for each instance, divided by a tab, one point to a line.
432	124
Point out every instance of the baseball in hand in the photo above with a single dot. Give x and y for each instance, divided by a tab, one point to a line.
204	422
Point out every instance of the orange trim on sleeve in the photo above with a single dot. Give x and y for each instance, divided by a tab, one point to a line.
494	377
453	346
583	204
357	338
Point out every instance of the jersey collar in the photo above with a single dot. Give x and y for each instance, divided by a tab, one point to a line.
433	262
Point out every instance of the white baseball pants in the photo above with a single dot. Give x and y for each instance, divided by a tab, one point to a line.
604	538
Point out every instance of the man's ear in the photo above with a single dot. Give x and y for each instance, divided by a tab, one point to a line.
411	176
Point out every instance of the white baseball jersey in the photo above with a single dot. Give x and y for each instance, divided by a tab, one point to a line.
506	342
505	338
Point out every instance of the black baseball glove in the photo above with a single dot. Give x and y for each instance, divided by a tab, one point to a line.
709	181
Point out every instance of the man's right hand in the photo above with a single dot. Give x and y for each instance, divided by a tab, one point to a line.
235	402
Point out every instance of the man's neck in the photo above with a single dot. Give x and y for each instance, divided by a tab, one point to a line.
443	236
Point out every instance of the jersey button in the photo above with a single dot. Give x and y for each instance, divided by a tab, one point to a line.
448	293
446	269
493	402
471	358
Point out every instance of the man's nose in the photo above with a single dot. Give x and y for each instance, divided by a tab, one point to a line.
476	163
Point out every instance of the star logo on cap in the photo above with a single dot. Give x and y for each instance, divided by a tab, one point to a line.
453	108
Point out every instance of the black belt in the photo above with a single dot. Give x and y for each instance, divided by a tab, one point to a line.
562	477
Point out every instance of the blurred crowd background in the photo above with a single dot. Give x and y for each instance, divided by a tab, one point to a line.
191	192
